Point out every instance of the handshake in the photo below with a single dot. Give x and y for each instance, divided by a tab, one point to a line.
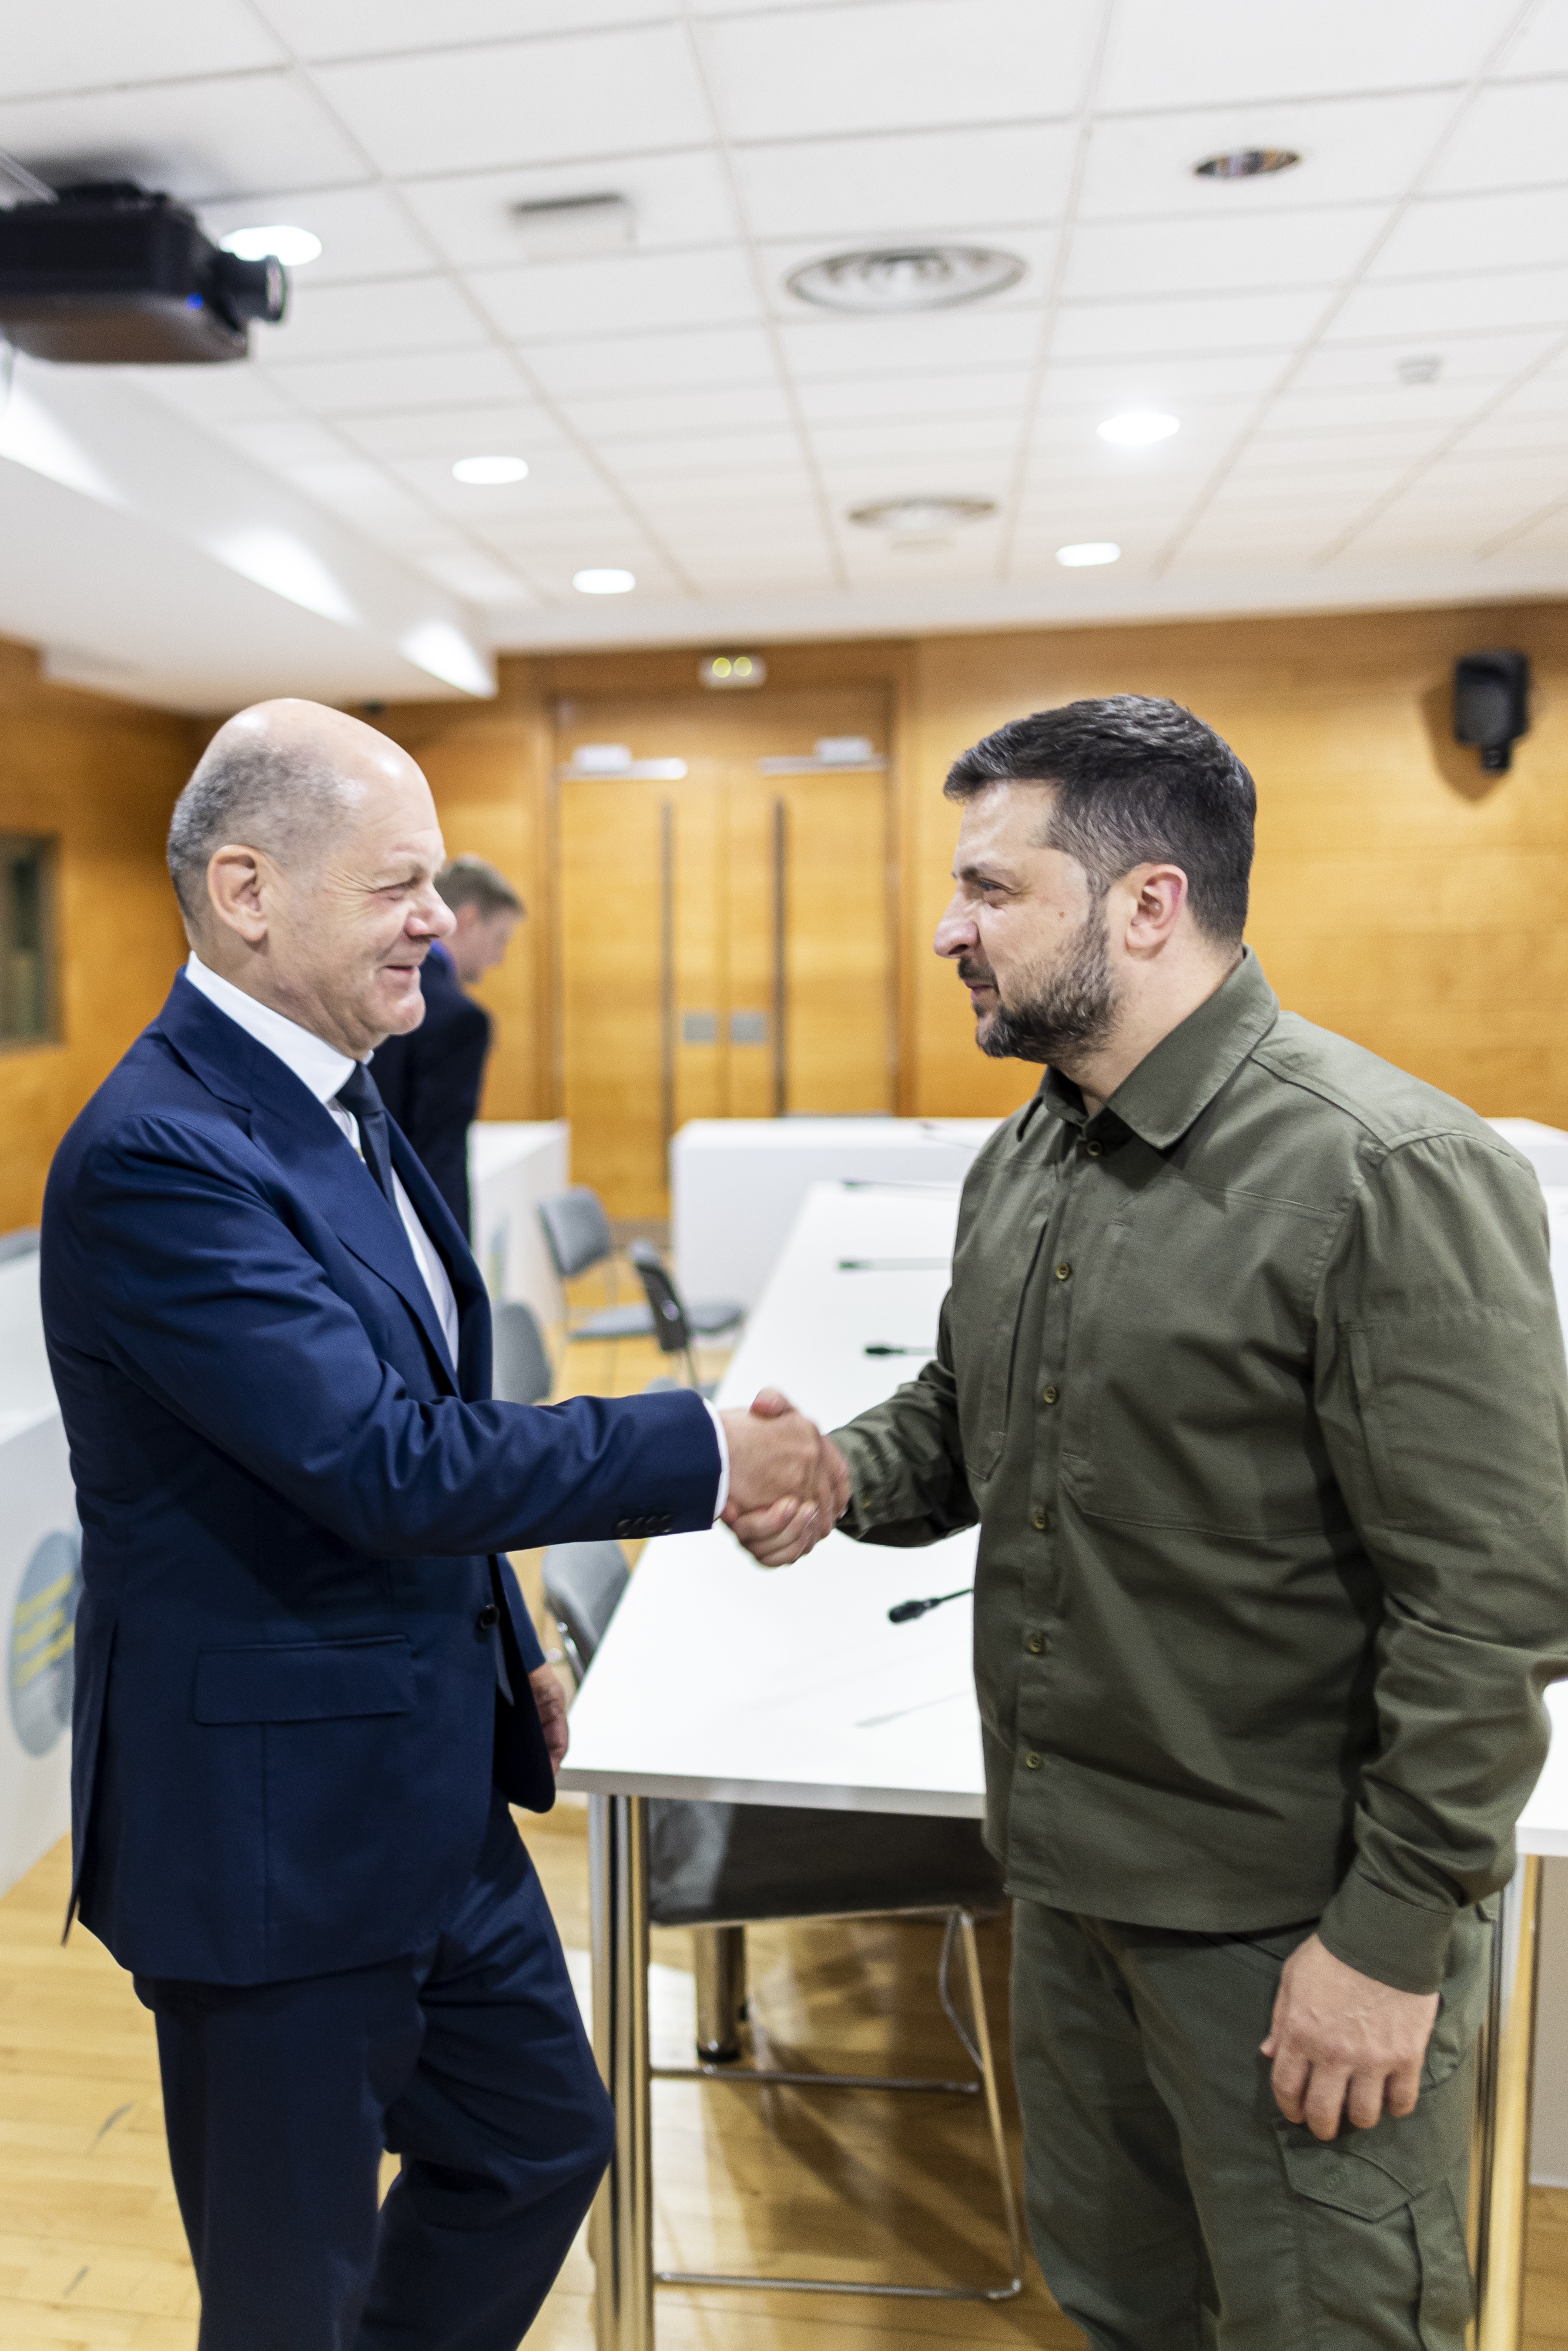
789	1484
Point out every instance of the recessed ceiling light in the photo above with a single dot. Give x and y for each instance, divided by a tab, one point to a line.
921	518
1247	163
608	581
293	246
489	470
1139	427
1091	550
898	279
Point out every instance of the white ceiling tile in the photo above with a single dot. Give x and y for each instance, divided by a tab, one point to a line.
413	380
1199	322
350	28
675	200
672	454
351	486
1111	258
927	437
1342	449
620	295
603	367
395	314
284	442
899	185
1543	46
636	415
1353	150
1180	380
1519	425
561	479
214	396
979	336
719	489
1232	50
511	102
1511	138
873	399
1469	363
898	65
363	232
482	580
1481	302
201	141
102	44
502	428
1505	230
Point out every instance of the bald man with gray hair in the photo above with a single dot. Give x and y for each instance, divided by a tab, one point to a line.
307	1690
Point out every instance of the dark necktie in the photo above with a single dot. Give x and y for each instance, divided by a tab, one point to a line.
358	1097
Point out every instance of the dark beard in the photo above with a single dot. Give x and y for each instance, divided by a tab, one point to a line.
1073	1012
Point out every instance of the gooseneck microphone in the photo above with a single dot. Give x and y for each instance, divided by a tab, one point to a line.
907	1609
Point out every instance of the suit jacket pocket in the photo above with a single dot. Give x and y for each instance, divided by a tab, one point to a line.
314	1681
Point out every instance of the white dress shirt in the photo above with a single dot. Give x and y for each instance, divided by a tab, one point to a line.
323	1070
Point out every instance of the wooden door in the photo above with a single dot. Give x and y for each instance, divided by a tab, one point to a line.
726	934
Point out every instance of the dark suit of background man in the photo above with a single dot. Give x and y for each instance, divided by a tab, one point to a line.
1251	1375
429	1078
306	1688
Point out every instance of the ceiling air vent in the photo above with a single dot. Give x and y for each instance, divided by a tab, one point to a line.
900	279
921	518
1245	163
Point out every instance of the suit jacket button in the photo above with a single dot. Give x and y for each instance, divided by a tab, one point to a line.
624	1530
487	1619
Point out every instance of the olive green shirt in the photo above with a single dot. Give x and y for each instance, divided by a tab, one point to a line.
1255	1384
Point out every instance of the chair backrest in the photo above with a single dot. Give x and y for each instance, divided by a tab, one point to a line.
521	1373
664	1300
577	1230
583	1582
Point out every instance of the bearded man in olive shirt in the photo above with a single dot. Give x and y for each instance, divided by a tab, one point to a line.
1251	1374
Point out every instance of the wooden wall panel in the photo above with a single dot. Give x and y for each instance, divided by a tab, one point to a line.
102	776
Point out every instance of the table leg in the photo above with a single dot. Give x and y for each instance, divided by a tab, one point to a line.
1499	2186
621	2230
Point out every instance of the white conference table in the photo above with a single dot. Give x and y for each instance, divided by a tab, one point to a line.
810	1698
513	1165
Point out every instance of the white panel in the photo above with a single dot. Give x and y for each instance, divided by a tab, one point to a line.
523	100
1220	256
1163	56
482	579
217	396
1198	323
1484	300
399	314
362	231
899	64
1468	359
349	28
1353	149
657	461
896	186
561	479
1542	47
503	428
743	491
1512	229
927	438
621	295
284	442
1180	380
732	355
1511	138
103	43
675	200
622	413
966	338
200	141
941	392
429	379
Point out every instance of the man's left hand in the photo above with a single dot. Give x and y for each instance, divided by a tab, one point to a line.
1344	2047
551	1699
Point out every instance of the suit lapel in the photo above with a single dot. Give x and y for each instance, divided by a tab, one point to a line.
302	1135
468	1289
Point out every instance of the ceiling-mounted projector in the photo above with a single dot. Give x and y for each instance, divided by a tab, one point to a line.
110	274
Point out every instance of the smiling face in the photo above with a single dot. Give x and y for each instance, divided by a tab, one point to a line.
333	936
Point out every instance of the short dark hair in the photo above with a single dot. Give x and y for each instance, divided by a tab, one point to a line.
475	882
1137	782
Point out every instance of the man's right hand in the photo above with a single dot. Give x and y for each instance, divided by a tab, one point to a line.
788	1485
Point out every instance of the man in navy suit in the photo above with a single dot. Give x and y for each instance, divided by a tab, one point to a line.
429	1077
305	1689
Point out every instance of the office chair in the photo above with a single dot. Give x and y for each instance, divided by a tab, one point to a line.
578	1237
717	1868
673	1325
521	1370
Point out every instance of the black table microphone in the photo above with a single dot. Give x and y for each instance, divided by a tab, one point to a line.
907	1609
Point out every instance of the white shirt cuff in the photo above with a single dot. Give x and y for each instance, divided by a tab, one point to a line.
723	1496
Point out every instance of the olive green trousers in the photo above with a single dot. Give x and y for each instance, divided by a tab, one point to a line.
1170	2203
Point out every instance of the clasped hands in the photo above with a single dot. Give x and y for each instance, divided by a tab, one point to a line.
789	1484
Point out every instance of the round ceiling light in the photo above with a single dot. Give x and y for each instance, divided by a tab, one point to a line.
921	518
487	471
293	246
606	581
1139	428
1090	550
1247	163
898	279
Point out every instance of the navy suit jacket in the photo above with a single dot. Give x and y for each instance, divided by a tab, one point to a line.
288	1718
430	1080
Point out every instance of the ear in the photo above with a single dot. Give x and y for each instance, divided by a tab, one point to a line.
238	888
1155	898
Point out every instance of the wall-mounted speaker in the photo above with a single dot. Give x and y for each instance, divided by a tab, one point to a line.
1491	704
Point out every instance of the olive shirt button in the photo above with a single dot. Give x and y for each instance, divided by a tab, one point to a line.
1039	1521
1063	1270
1048	1395
1036	1644
1031	1762
1094	1149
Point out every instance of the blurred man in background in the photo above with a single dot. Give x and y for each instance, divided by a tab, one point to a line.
430	1078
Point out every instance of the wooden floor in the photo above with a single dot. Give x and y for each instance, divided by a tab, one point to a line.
92	2256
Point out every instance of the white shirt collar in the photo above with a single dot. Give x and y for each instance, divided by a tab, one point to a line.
316	1064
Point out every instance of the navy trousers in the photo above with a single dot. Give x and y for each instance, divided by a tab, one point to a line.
468	2059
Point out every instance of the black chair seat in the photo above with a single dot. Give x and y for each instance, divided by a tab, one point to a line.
615	1323
716	1314
714	1865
